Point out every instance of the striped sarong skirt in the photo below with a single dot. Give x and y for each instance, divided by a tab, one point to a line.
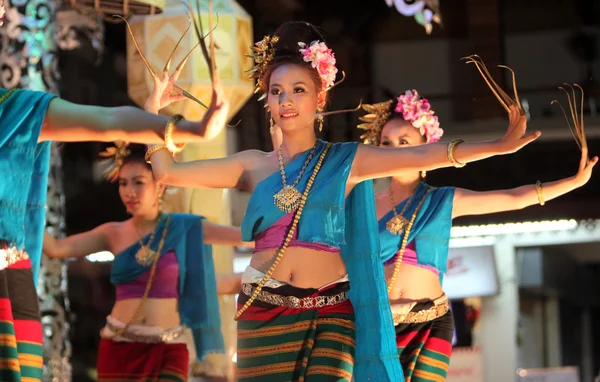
425	348
295	334
21	343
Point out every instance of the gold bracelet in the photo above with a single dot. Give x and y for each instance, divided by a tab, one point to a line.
538	189
152	150
451	158
171	145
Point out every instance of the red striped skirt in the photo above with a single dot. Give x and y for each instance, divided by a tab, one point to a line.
21	343
120	361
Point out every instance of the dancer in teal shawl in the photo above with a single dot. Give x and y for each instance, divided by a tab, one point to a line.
313	305
143	335
29	120
414	230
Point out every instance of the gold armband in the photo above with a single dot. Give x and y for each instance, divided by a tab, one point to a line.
152	150
170	144
539	189
451	158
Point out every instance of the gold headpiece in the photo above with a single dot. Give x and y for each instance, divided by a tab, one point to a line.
115	158
262	53
577	128
505	100
379	115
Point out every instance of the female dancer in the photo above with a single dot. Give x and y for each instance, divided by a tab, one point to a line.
296	320
28	121
414	230
142	337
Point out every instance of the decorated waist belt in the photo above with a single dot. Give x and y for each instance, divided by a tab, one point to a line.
164	337
295	302
10	256
440	307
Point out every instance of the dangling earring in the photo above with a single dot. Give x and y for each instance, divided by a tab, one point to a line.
272	123
320	119
423	174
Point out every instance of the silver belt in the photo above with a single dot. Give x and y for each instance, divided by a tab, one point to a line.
295	302
166	336
10	256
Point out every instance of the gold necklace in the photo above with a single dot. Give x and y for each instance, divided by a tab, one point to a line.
138	310
405	241
145	255
6	95
288	198
281	250
397	224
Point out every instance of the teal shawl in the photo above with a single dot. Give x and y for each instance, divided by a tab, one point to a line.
331	219
198	304
430	232
24	167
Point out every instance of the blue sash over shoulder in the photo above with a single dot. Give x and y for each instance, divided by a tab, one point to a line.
24	167
351	225
198	303
431	230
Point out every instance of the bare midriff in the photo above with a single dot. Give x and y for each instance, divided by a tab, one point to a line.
301	267
413	283
161	312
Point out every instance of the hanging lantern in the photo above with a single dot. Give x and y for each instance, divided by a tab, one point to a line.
125	8
425	12
157	36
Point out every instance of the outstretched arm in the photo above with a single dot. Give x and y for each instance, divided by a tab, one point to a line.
374	162
223	235
78	245
467	202
69	122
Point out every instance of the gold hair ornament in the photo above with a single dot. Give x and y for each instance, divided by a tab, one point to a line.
505	100
115	157
577	128
373	122
263	53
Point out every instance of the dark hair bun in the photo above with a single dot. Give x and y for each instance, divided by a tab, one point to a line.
136	150
290	34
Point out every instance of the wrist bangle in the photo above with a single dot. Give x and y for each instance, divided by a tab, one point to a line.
152	150
539	189
170	144
451	158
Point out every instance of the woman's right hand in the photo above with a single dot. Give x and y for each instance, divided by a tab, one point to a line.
216	116
586	165
515	137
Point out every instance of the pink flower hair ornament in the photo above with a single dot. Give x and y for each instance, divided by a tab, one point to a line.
417	111
322	59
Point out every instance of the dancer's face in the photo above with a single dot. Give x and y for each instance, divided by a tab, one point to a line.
138	189
293	97
400	133
2	12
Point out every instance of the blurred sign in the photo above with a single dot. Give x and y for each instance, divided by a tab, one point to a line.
466	365
559	374
471	273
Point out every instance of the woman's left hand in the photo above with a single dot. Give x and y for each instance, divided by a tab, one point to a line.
165	92
515	137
